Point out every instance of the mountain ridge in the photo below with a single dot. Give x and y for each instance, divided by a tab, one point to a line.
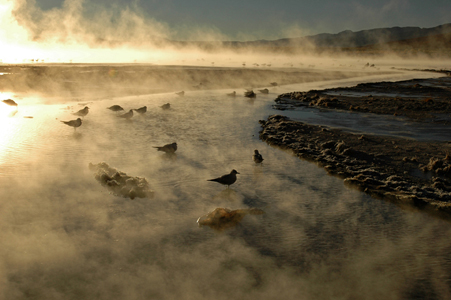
434	41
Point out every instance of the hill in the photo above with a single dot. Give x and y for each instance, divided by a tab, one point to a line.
435	41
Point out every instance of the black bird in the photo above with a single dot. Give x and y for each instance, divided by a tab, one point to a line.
73	123
258	158
10	102
116	108
166	106
169	148
128	115
227	179
250	94
141	110
264	91
82	112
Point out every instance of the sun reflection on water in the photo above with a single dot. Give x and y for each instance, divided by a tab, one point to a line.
7	127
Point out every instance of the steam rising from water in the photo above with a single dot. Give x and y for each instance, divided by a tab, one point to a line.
81	31
64	236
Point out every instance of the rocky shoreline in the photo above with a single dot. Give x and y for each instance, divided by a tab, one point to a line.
421	100
404	171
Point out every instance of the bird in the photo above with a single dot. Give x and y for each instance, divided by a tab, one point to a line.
166	106
258	158
182	93
227	179
232	94
10	102
128	115
115	108
250	94
264	91
274	83
73	123
82	112
168	148
141	110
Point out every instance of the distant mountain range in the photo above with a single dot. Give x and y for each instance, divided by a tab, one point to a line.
403	40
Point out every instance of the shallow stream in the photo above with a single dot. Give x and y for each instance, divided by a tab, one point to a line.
65	236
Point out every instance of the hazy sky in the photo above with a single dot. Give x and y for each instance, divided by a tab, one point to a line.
265	19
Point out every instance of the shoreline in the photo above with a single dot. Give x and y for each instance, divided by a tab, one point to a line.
400	170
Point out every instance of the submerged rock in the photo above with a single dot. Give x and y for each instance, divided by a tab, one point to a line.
224	218
119	183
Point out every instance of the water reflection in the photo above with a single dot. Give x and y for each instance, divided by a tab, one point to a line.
227	194
370	123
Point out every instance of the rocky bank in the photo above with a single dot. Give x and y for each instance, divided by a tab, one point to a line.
404	171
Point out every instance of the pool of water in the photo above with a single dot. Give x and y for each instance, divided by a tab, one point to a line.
65	236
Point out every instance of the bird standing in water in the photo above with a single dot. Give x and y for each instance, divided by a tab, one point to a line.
227	179
73	123
257	157
128	115
82	112
166	106
141	110
169	148
116	108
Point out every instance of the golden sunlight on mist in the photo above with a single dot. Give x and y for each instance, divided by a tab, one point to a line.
19	47
7	126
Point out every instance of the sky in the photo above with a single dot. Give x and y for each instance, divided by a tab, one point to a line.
62	30
269	19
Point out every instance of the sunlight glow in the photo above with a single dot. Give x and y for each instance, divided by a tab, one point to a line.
7	125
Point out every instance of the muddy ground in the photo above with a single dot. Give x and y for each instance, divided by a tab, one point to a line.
404	171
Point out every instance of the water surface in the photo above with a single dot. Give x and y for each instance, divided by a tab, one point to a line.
64	236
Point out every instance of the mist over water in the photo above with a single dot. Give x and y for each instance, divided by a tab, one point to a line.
65	236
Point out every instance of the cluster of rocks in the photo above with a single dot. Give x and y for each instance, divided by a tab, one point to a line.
414	99
119	183
396	169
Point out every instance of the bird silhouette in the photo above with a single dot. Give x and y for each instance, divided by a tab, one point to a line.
116	108
250	94
141	110
168	148
128	115
73	123
82	112
264	91
10	102
166	106
182	93
257	157
232	94
227	179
